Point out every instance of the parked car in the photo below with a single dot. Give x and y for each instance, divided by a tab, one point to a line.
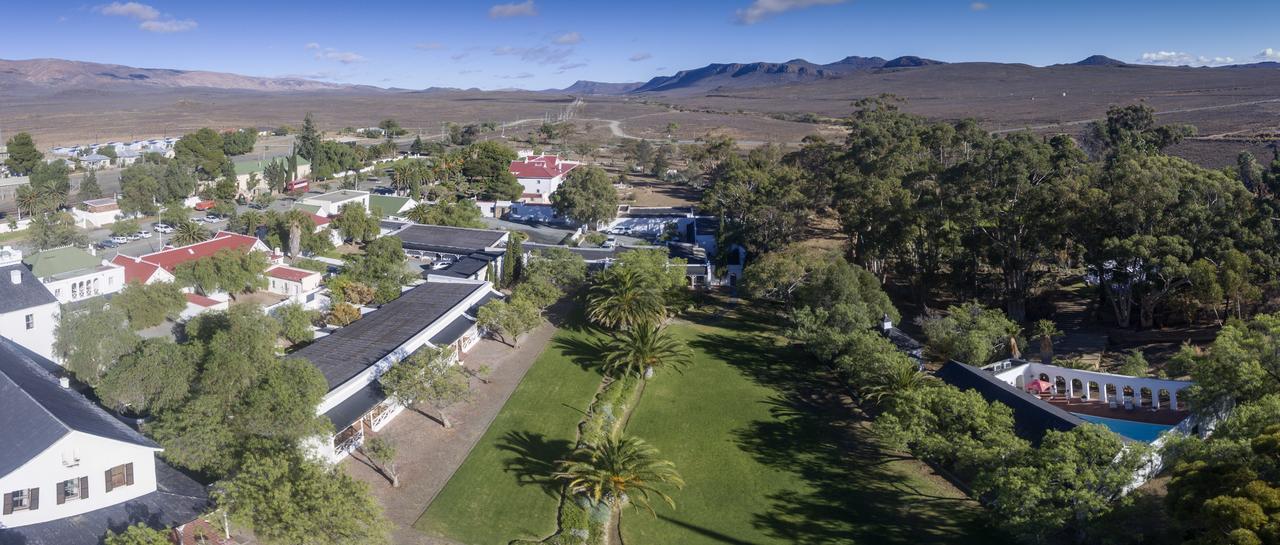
383	191
212	218
162	228
120	239
610	242
144	233
108	243
133	236
198	219
205	205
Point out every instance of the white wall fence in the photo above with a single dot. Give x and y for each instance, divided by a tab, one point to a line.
1155	393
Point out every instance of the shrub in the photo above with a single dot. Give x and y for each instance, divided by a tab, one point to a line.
342	314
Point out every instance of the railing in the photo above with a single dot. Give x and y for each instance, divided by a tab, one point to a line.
349	444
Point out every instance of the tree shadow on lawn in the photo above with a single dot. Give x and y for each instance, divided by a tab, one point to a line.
853	493
586	353
534	458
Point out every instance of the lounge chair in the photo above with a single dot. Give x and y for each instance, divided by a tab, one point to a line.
1112	403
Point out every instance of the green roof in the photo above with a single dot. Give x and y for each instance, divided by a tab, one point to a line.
388	204
256	165
312	208
60	260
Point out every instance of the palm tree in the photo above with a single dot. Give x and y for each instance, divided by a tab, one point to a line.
899	380
624	299
189	232
1046	330
297	220
420	213
641	350
28	200
619	470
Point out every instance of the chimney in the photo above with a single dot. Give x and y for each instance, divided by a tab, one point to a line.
886	323
64	382
15	277
93	251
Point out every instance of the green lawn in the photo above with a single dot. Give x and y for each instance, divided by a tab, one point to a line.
500	493
769	458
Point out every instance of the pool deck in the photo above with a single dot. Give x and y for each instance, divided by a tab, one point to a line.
1162	416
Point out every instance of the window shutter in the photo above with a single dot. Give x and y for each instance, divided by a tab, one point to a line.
108	473
35	498
128	473
8	503
60	493
84	487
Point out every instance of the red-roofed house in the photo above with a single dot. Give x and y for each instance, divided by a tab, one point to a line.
198	304
159	266
540	175
292	281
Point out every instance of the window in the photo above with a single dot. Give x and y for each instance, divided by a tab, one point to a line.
31	321
121	475
22	500
72	489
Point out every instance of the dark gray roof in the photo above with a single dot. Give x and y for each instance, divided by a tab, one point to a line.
352	349
453	331
1032	416
465	267
352	408
455	240
391	225
35	411
491	295
26	294
903	341
177	500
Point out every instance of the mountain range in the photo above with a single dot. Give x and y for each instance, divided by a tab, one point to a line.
44	75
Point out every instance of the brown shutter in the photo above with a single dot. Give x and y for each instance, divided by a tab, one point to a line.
84	487
8	503
35	498
60	493
108	472
128	473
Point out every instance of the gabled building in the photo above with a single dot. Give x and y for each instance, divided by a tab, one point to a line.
540	175
436	314
73	274
160	266
330	204
385	206
69	471
28	310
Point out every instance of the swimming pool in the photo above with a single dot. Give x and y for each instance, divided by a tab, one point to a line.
1138	431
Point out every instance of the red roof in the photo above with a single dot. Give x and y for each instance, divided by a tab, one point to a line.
319	220
202	301
289	273
134	270
541	166
224	240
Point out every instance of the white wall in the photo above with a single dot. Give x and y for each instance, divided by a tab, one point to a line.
98	282
57	463
541	186
39	338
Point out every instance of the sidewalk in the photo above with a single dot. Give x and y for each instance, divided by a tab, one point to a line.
427	453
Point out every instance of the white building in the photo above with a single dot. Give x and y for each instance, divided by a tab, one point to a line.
28	311
297	284
540	175
95	161
73	274
330	204
352	358
69	471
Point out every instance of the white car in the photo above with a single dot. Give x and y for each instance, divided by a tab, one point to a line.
198	219
120	239
144	234
163	228
212	218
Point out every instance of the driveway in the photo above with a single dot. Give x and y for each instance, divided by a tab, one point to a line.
429	454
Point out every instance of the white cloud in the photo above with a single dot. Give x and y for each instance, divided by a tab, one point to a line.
134	10
150	17
979	6
469	71
331	54
428	46
568	38
523	9
1268	54
541	54
639	57
522	75
170	25
1181	58
571	66
760	10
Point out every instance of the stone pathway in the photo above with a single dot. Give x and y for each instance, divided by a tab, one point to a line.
428	454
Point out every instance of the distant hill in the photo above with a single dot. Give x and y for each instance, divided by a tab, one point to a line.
42	75
1099	60
584	87
722	77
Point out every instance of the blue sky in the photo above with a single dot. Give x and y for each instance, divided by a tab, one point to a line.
538	44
